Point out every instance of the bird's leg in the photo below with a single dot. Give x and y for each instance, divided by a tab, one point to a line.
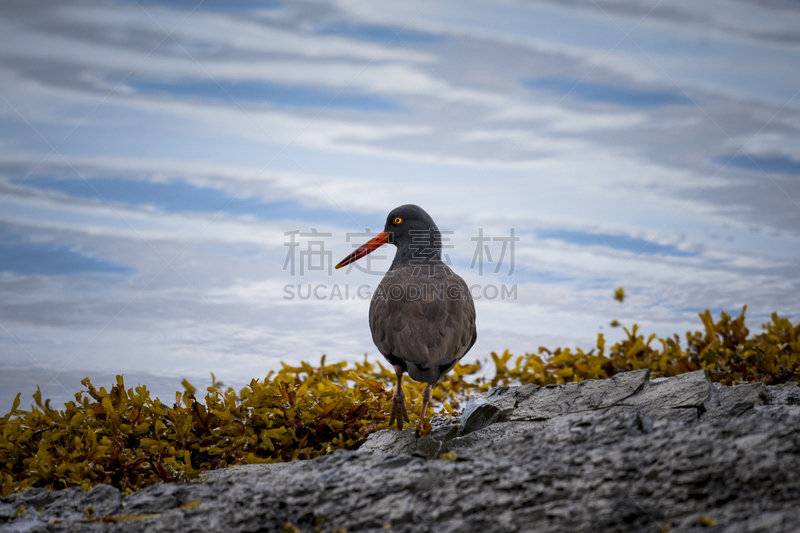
399	410
427	394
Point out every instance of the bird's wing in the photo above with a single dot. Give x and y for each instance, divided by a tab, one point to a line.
434	327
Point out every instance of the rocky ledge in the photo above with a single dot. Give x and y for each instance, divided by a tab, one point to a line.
623	454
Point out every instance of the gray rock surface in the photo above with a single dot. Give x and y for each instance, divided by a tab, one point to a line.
485	409
784	394
625	454
692	390
732	401
552	401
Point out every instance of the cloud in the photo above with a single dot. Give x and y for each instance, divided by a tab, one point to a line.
605	93
259	92
154	241
182	197
227	6
773	22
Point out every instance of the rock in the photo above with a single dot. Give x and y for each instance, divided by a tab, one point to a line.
784	394
547	402
624	455
733	401
444	428
396	442
602	393
550	402
477	414
25	526
692	389
392	441
240	470
485	409
7	512
495	432
433	445
670	415
37	498
160	499
102	500
70	505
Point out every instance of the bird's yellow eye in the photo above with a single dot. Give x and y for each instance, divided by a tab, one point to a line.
398	220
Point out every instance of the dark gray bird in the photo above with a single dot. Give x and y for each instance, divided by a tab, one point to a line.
422	315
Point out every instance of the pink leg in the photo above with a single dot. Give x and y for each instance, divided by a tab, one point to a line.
427	394
399	410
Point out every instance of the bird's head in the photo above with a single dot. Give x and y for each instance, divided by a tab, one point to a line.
410	224
411	229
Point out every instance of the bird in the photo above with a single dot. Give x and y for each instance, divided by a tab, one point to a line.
421	315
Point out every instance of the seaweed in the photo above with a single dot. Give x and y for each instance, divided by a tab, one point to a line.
724	349
128	439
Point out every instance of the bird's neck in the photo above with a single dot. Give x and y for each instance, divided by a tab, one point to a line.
425	249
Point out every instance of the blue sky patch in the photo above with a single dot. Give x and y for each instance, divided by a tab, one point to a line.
616	242
604	93
23	257
779	164
268	93
182	197
381	34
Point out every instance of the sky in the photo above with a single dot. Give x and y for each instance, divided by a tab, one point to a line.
178	177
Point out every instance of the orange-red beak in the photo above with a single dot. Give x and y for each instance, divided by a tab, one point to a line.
373	244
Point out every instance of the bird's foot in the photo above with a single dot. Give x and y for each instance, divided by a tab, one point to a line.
399	410
424	425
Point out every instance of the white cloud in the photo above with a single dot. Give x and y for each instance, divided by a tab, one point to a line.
473	146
